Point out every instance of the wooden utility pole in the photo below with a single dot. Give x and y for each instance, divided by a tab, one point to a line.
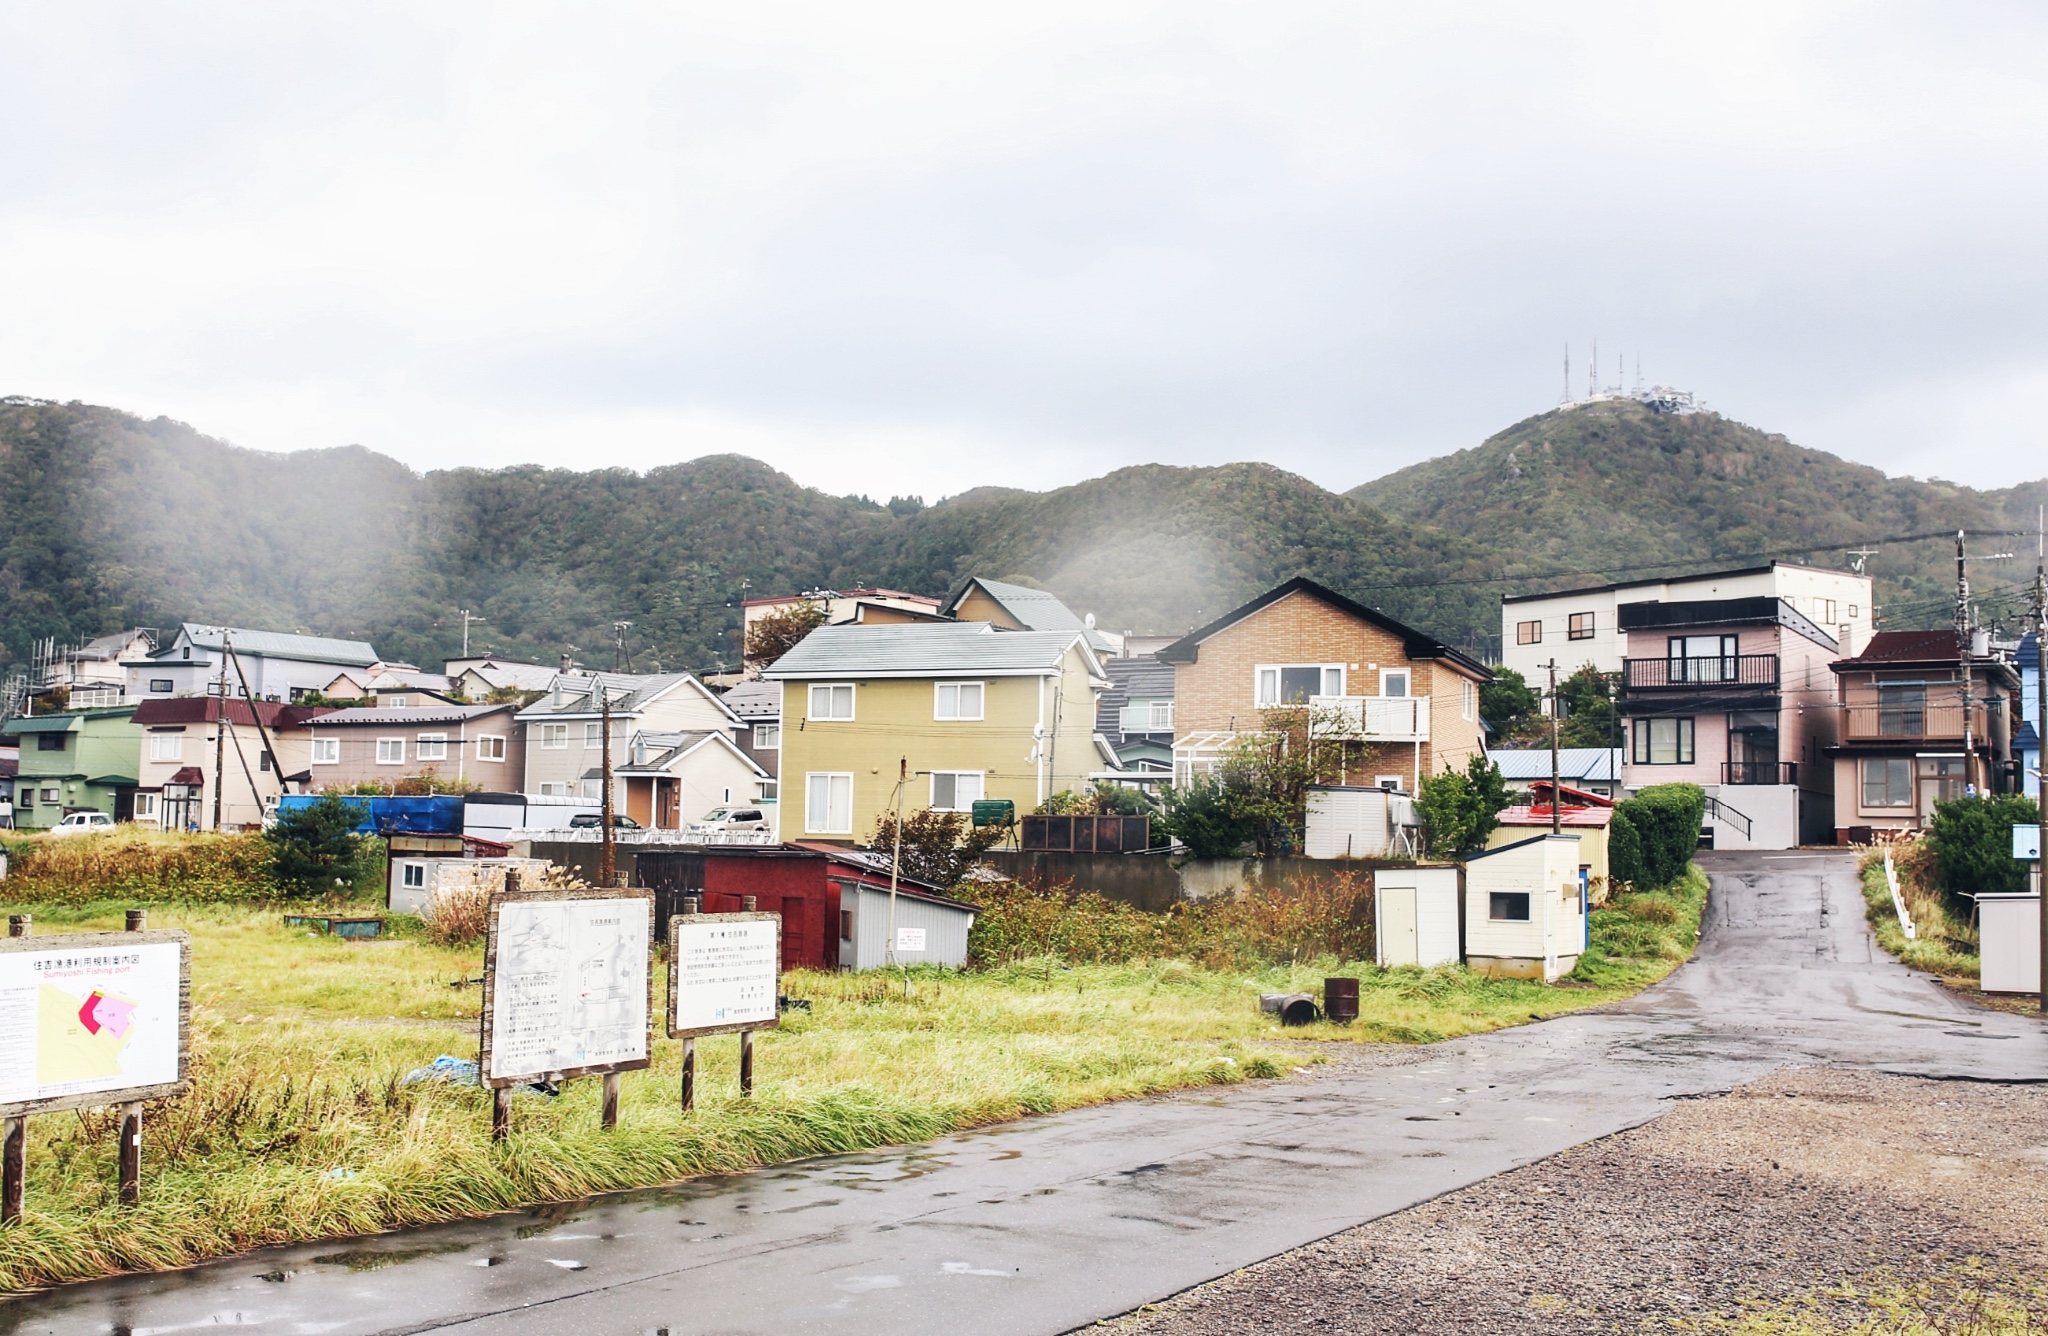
607	849
1556	708
2040	755
220	737
896	862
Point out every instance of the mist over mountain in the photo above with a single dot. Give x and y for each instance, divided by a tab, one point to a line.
108	520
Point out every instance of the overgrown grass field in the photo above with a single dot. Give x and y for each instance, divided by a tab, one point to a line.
298	1126
1943	944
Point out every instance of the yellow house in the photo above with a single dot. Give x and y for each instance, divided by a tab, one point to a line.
973	711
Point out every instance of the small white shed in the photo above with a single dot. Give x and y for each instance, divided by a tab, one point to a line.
2009	942
417	877
1415	916
930	929
1525	910
1352	821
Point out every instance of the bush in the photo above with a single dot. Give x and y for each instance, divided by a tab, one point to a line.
315	848
1972	844
1624	849
1202	816
1666	823
1460	810
134	864
458	914
938	847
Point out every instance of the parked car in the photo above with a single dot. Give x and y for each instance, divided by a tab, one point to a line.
83	823
723	819
591	821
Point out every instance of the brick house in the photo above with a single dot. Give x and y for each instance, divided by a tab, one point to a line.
1411	701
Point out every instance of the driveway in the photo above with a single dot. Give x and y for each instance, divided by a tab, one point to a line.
1042	1226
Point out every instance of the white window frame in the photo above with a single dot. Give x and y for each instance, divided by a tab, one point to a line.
326	751
554	737
980	788
1407	676
767	791
829	692
1399	782
438	742
591	790
554	788
815	823
1468	695
412	876
768	737
146	808
167	746
1263	701
958	690
593	733
490	747
384	747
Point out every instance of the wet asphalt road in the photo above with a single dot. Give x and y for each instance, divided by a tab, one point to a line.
1042	1226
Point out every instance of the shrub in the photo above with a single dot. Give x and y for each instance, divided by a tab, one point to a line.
1201	815
1624	848
1460	810
1972	844
938	847
315	848
1666	822
458	913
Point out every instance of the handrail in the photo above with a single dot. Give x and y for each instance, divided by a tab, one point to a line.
1891	879
1722	812
1721	670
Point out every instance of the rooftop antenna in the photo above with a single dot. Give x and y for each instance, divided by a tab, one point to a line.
1620	371
1859	556
1593	370
1639	371
1566	397
620	660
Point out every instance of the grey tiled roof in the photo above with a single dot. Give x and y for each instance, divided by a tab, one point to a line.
934	649
630	693
1143	678
1598	764
432	714
755	700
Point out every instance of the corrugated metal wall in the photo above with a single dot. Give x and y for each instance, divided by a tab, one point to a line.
945	928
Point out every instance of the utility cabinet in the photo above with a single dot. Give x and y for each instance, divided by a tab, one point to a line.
2009	942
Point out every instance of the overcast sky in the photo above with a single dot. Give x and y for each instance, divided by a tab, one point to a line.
917	249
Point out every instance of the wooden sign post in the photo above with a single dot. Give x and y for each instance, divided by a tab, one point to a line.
90	1019
568	991
724	976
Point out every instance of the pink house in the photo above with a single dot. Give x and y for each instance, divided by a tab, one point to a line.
1735	695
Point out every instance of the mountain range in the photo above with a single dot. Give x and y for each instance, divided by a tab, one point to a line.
108	520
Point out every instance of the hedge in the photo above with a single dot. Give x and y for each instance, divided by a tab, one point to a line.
1663	822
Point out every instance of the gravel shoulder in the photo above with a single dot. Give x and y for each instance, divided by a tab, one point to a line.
1807	1201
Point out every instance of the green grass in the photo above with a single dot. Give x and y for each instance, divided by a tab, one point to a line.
1940	945
1641	936
298	1128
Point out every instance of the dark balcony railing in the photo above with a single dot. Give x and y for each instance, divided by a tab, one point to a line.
1733	670
1759	772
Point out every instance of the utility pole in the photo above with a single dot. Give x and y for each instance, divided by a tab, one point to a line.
620	663
607	848
2040	751
220	734
468	617
896	862
1963	651
1556	708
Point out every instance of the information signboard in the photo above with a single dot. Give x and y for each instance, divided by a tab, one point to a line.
568	985
725	973
2026	843
93	1018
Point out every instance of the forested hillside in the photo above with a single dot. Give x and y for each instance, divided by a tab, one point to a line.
107	520
1615	486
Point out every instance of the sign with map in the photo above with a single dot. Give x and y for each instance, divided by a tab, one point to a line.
92	1018
725	973
568	984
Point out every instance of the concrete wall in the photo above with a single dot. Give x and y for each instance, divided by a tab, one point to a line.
1153	882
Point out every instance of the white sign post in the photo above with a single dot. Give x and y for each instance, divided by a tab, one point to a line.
568	991
87	1020
724	975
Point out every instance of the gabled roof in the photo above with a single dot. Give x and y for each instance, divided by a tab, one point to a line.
1595	764
630	694
275	645
502	673
667	749
755	700
1032	609
1416	644
942	649
1915	649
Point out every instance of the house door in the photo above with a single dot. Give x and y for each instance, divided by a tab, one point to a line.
1397	926
665	795
793	934
640	800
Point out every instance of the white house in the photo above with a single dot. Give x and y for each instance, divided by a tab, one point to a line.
277	666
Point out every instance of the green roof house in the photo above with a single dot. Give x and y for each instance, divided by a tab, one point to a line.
76	761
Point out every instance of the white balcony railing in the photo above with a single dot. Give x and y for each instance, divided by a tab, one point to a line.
1370	718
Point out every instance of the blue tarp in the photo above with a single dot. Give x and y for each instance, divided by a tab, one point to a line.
438	815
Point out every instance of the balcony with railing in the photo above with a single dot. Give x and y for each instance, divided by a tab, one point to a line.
1934	719
1370	718
1758	671
1759	772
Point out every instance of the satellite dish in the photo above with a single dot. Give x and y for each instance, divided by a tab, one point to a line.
1088	621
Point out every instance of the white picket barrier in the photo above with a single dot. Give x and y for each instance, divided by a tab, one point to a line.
1891	879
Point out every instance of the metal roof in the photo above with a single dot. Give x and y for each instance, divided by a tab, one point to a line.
42	723
392	714
277	645
520	676
937	649
755	700
1600	764
630	693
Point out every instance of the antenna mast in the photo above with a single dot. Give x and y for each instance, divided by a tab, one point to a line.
1593	370
1566	397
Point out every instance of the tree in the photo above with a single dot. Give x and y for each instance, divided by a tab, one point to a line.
1589	714
1665	822
1459	810
1511	707
938	847
1972	843
1203	815
775	635
315	846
